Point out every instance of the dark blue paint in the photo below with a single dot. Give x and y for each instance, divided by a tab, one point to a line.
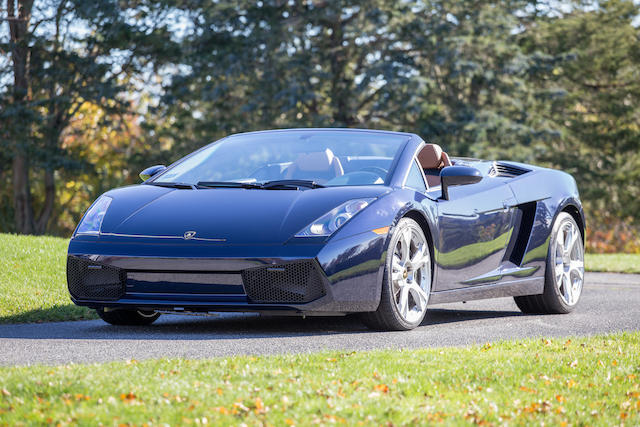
472	233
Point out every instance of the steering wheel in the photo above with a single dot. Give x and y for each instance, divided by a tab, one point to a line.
377	170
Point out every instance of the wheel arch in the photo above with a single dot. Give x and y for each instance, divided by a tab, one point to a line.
419	217
575	213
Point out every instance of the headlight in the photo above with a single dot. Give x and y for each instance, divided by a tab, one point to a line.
92	221
328	223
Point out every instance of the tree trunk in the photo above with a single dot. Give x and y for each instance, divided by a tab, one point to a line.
18	32
49	199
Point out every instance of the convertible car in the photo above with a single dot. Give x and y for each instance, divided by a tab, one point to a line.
329	222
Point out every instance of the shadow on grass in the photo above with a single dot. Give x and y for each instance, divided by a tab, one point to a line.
59	313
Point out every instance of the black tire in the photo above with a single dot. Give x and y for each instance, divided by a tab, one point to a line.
128	317
551	301
387	317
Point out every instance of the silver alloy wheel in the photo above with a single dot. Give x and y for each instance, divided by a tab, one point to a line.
411	275
569	263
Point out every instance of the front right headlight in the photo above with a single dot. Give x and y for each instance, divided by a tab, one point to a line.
92	221
328	223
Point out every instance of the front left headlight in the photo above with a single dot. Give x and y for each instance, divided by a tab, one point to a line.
92	221
328	223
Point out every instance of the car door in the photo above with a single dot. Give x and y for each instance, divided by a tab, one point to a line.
474	229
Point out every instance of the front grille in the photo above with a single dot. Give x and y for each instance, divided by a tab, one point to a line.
506	171
294	282
91	280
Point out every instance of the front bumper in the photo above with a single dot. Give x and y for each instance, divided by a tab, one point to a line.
337	277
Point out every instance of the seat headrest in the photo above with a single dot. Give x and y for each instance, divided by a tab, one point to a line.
318	161
430	157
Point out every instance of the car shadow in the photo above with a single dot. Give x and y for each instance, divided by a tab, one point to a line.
228	326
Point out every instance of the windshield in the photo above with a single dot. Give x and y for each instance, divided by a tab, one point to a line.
329	158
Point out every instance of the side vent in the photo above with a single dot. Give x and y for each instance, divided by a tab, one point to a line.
524	223
505	170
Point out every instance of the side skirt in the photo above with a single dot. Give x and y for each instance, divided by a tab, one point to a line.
513	288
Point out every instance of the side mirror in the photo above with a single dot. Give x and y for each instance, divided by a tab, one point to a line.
151	171
457	175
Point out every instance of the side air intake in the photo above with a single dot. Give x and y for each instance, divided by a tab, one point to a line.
94	281
505	170
295	282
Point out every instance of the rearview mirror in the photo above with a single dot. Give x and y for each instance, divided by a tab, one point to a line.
457	175
151	171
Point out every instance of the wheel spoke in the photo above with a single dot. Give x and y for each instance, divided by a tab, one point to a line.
577	266
419	296
560	239
567	288
571	241
559	271
405	244
418	260
403	303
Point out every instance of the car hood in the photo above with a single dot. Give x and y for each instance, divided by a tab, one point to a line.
233	215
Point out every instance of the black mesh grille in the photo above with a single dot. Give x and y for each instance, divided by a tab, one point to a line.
91	280
295	282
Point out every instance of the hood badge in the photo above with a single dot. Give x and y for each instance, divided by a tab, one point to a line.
189	235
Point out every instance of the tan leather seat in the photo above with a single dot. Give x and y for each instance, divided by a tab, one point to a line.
432	159
319	166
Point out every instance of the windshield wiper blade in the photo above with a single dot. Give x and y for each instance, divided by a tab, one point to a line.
180	185
291	183
227	184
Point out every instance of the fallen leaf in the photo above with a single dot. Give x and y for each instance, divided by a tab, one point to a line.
381	387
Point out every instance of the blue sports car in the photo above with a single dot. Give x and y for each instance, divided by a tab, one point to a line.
329	222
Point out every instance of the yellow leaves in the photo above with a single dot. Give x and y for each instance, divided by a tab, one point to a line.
486	347
571	383
560	398
528	390
289	422
381	388
128	397
614	362
219	391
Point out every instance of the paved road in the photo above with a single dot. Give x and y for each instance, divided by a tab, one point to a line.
611	302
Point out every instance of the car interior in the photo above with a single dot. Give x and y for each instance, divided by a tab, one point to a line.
432	159
326	168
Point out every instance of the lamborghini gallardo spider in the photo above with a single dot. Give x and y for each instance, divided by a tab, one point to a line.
329	222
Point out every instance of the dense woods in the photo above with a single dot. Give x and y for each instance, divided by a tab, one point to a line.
93	92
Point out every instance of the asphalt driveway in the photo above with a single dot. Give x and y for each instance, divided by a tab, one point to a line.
610	303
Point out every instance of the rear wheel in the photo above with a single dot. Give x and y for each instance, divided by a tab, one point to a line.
564	276
407	281
128	317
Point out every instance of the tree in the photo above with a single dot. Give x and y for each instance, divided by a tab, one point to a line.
75	52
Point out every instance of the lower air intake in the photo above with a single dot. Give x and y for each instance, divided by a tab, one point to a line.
91	280
295	282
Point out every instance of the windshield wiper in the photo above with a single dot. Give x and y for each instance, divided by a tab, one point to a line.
227	184
290	183
180	185
280	184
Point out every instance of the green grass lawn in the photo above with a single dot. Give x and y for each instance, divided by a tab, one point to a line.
33	285
615	263
577	381
34	288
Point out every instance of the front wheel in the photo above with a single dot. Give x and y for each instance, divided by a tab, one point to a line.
564	277
406	283
128	317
